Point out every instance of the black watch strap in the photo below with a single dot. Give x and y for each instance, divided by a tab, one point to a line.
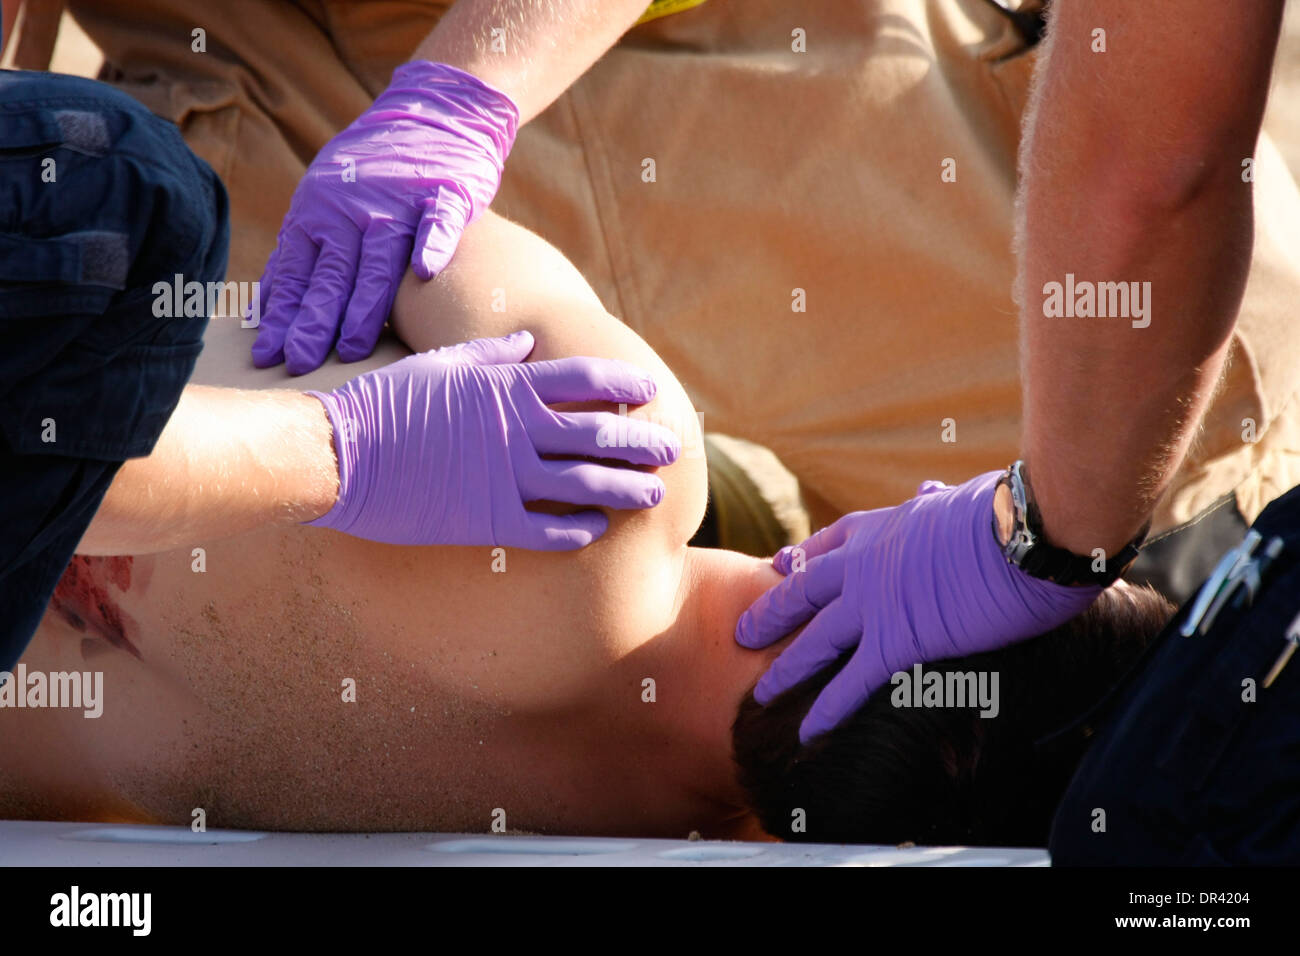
1030	550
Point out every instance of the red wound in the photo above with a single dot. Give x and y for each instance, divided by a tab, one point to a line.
83	598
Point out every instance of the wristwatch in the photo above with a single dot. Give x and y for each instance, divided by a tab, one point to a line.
1018	530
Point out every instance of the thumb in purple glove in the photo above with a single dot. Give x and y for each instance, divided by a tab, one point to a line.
922	581
445	215
445	447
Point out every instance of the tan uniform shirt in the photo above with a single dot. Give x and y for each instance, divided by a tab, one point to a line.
779	175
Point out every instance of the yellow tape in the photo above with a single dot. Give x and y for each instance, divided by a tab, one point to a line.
662	8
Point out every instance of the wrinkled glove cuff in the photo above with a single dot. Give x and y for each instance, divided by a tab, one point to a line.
343	516
477	106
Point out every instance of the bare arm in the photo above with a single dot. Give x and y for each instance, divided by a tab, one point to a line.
8	17
505	278
1132	171
540	48
30	31
234	459
230	460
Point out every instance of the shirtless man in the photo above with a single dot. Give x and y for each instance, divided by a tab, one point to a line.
512	680
584	692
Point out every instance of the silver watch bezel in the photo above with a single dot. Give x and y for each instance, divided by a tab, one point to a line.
1022	540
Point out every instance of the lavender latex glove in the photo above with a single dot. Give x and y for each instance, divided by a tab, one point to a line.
400	184
919	582
445	447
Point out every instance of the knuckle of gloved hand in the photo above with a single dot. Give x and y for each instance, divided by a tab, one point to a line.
373	271
334	284
514	382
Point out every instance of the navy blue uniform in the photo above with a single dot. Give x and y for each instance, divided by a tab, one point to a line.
1200	762
99	200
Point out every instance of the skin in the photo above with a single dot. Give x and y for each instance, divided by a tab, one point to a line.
269	460
475	689
548	43
265	459
8	17
1117	187
1113	187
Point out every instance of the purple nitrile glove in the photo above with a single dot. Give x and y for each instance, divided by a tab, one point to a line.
922	581
445	447
400	184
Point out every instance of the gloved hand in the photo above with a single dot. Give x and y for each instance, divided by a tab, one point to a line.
420	164
919	582
444	447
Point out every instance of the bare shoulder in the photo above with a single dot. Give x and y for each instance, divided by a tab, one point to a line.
504	278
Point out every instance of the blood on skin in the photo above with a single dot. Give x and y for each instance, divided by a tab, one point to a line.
82	598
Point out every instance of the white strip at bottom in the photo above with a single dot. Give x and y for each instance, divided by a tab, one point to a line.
80	844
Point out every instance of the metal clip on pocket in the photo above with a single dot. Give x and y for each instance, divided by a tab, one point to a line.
1236	569
1292	640
1219	585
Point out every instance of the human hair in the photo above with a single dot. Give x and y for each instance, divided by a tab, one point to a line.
944	774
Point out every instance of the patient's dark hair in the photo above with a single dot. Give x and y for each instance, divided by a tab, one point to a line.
942	775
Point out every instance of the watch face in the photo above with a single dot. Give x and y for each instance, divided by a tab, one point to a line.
1004	513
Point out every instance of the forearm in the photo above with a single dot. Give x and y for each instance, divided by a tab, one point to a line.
540	49
8	17
1132	172
1110	409
229	461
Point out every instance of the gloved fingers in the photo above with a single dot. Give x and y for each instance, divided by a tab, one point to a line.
584	379
312	334
283	283
847	691
602	435
544	532
506	350
587	483
385	248
834	630
791	602
446	214
820	542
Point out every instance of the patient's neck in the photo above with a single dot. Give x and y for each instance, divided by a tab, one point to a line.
712	671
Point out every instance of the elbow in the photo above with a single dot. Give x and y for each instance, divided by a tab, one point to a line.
1166	173
1148	198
